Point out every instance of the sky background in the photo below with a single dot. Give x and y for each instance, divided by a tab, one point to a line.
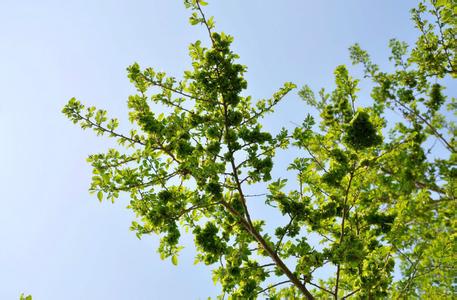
56	240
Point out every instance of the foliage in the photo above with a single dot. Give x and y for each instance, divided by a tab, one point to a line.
23	297
377	191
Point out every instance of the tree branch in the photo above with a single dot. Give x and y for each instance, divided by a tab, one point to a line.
269	250
350	294
105	130
321	288
343	219
272	286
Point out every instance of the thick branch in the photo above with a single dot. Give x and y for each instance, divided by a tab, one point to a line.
269	250
246	222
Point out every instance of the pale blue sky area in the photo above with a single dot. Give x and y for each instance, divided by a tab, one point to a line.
56	240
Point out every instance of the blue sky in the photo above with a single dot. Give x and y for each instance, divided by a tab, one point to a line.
56	240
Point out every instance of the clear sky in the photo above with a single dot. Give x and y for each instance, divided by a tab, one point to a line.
56	240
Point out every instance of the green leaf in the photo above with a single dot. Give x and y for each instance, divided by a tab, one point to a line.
22	297
100	196
174	260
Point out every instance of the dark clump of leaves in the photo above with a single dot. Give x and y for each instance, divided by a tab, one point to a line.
210	242
436	98
361	133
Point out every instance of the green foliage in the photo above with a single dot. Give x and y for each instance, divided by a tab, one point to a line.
361	133
377	192
23	297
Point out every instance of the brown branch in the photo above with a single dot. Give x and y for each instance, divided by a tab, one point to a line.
432	128
176	91
278	261
111	132
272	286
246	222
350	294
441	39
259	113
343	219
278	244
234	169
321	288
315	159
255	195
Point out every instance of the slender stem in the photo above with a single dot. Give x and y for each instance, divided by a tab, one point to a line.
278	244
343	219
255	195
205	22
234	169
176	91
259	113
266	265
121	136
321	288
272	286
350	294
315	159
426	122
441	39
412	274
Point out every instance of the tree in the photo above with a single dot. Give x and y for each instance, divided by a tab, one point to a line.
378	192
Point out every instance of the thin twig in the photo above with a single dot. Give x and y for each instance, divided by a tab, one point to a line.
350	294
272	286
321	288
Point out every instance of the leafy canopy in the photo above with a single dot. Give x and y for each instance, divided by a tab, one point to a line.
378	191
